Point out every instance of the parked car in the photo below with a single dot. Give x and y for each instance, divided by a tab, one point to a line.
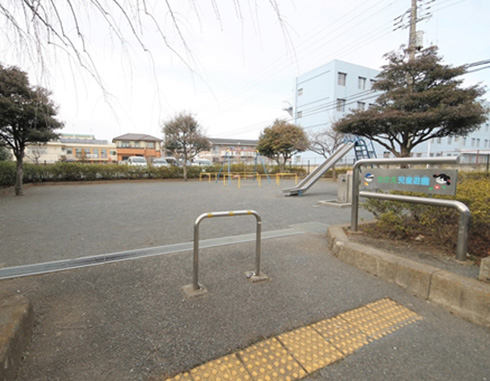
139	161
172	161
160	162
201	163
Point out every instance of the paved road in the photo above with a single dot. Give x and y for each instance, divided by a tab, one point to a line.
69	221
131	320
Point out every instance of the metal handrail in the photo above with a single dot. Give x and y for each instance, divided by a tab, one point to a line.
195	282
402	160
464	212
464	215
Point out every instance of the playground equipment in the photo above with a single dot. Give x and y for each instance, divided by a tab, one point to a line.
230	175
362	150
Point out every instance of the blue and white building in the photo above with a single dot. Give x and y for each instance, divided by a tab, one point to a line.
327	93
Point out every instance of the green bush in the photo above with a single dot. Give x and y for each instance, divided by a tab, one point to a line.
7	173
406	220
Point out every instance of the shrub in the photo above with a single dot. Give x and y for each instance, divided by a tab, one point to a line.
7	173
406	220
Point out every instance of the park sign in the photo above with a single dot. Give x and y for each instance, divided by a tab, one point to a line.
431	181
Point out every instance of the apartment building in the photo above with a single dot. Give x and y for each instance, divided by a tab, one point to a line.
234	150
326	94
72	147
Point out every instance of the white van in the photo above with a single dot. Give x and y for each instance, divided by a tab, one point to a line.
139	161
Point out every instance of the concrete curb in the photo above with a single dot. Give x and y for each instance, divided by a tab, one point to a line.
466	297
16	323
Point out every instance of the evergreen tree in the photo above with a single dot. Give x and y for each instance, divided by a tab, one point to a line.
27	115
421	99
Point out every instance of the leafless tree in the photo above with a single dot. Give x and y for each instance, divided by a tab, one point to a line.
35	152
37	29
325	143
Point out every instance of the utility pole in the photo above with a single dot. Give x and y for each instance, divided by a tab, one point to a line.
413	31
413	11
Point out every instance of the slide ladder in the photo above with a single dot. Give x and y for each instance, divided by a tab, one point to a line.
364	150
315	175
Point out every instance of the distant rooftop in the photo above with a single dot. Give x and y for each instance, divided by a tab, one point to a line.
83	141
235	142
77	136
80	138
136	137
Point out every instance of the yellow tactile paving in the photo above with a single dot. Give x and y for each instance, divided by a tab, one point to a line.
343	335
309	348
295	354
269	360
224	368
368	322
181	377
394	312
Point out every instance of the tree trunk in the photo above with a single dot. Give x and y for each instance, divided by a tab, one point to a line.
19	175
282	165
184	167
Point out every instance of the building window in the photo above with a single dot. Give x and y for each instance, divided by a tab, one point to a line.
69	151
472	142
341	105
361	83
342	79
361	106
299	114
486	143
86	153
373	81
78	153
103	153
125	144
136	144
478	143
438	141
300	92
449	140
95	153
151	145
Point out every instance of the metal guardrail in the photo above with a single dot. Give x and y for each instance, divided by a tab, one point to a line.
405	160
464	212
463	222
255	275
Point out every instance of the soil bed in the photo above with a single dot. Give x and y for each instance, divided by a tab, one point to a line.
417	250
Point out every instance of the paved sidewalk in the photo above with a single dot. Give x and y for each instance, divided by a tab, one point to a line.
131	320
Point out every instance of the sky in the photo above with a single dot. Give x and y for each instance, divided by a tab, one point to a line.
231	64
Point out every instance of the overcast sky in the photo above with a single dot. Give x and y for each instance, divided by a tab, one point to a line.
237	69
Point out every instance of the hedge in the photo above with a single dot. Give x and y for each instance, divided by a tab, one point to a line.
35	173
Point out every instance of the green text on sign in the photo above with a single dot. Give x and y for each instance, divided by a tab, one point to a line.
431	181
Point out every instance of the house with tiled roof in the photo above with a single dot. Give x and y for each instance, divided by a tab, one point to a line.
143	145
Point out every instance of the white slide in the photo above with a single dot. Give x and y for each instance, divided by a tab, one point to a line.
314	176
